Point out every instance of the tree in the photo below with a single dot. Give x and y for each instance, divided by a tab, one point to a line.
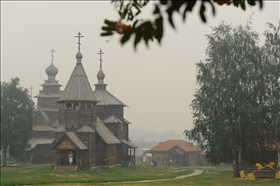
232	106
271	51
16	118
149	30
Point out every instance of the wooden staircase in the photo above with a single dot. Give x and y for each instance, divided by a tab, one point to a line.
65	168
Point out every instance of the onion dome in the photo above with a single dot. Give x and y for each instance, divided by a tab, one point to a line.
100	75
79	55
51	70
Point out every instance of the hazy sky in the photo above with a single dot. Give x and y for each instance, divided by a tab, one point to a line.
157	83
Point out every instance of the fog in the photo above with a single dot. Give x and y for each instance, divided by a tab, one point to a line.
156	82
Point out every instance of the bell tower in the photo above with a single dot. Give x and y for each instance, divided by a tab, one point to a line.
77	104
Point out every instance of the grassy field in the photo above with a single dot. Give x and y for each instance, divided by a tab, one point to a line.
28	174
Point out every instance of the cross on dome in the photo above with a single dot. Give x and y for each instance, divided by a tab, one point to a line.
52	54
100	59
79	42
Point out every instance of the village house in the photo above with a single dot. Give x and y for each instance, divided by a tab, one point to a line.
177	153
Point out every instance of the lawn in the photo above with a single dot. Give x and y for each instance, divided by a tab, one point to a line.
28	174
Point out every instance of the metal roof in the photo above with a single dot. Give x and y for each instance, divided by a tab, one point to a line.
107	136
106	98
128	144
35	141
74	138
169	144
78	87
86	128
112	119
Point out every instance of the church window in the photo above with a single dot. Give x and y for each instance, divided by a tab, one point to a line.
76	106
121	127
69	106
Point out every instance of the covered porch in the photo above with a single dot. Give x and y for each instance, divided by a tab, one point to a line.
128	153
70	142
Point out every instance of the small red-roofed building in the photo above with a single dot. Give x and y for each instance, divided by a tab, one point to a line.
179	153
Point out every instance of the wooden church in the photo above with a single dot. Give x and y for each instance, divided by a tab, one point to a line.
91	123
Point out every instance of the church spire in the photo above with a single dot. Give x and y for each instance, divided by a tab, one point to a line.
78	87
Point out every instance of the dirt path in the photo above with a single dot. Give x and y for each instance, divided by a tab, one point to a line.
195	173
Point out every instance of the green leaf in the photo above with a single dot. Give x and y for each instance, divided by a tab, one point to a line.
110	23
251	2
188	8
159	30
148	31
163	2
201	13
121	14
106	34
261	3
170	19
157	10
138	36
107	28
243	6
126	37
190	5
134	24
137	7
130	15
121	5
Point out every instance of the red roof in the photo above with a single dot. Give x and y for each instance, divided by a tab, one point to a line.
169	144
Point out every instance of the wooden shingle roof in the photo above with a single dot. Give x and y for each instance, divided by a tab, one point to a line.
86	128
129	144
60	128
112	119
75	140
78	87
106	98
169	144
106	135
126	121
35	141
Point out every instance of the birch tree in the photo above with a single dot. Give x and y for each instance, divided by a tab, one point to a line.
271	57
230	106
